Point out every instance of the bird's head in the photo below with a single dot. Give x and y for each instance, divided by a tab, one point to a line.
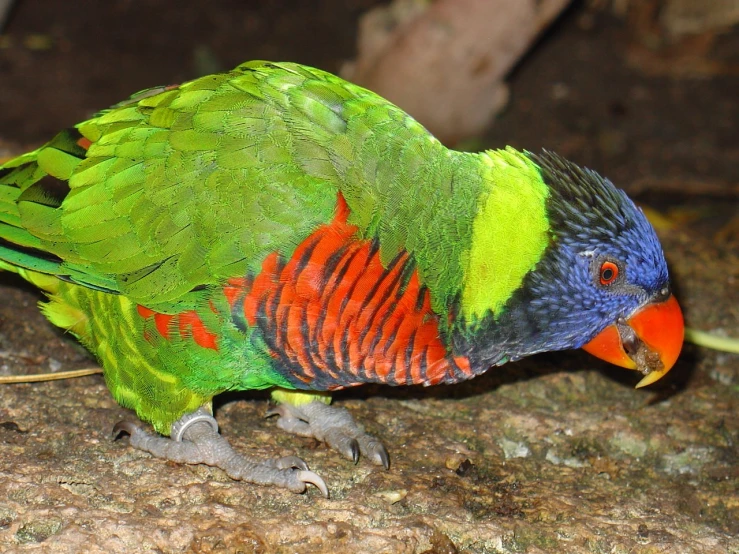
600	281
608	263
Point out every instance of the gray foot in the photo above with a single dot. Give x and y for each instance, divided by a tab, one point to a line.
195	440
334	426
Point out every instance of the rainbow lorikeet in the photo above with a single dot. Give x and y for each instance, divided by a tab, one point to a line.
277	227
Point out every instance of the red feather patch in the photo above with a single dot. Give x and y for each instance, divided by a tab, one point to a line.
336	317
187	323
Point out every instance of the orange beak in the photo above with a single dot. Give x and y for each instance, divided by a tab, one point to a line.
649	341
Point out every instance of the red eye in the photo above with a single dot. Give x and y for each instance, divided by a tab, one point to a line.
608	273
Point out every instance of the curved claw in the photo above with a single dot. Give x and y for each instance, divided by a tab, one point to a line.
274	411
380	456
128	427
375	451
288	462
315	480
354	450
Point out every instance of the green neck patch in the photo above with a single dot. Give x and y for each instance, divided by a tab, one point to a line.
509	234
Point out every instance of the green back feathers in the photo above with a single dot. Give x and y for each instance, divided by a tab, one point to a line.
187	186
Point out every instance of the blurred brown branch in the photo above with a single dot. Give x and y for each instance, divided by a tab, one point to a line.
445	61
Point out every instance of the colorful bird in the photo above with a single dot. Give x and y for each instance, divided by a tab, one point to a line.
277	227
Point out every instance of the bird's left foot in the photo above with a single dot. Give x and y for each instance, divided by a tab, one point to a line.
334	426
195	439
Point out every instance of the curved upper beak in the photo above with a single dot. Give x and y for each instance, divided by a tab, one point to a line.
649	341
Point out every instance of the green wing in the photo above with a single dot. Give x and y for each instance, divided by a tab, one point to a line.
180	188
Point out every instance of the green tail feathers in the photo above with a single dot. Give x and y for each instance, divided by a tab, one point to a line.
18	247
32	187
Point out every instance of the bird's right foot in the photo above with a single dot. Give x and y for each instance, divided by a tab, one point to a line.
334	426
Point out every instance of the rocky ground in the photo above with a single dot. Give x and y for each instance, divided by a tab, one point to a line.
557	453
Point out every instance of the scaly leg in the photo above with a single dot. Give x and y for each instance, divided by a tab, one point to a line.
195	440
334	426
